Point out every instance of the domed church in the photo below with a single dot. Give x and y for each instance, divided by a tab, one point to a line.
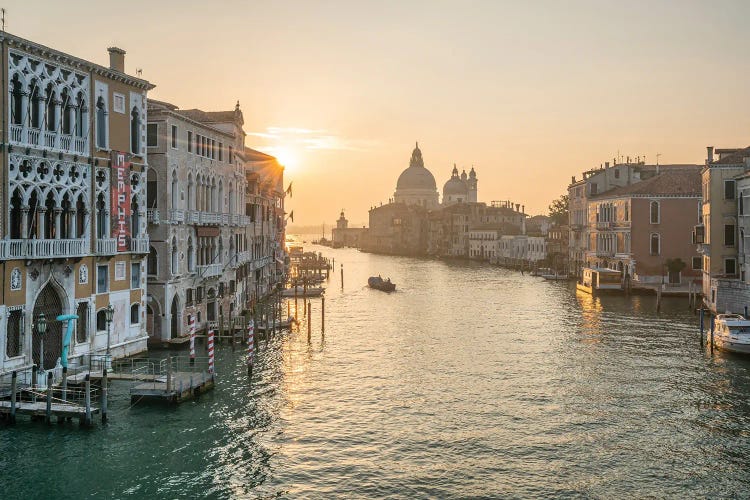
461	189
416	185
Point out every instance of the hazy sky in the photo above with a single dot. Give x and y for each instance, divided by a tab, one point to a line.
529	93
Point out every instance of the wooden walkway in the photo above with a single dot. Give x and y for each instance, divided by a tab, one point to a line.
39	408
183	386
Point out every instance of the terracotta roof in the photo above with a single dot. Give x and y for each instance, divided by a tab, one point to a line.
683	181
737	158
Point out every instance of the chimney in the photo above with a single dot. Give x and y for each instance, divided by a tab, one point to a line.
710	154
606	163
116	59
573	179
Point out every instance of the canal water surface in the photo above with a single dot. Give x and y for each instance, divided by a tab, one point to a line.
469	381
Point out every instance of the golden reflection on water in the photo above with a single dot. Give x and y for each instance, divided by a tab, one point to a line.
591	314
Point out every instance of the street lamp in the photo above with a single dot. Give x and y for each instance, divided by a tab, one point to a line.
41	327
108	313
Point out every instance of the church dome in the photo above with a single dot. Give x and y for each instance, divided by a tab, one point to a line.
454	186
416	176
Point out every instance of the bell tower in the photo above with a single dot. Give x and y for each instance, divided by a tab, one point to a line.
472	185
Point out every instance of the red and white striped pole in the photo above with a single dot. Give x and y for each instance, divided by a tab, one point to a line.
250	347
211	351
192	340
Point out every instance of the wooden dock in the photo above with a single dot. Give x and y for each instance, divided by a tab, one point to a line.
182	386
39	409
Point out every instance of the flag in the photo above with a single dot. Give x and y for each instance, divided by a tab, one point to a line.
289	189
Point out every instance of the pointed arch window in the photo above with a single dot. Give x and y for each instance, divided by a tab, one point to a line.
175	256
16	101
101	123
135	128
152	263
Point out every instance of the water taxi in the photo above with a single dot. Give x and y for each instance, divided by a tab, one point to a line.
600	280
732	333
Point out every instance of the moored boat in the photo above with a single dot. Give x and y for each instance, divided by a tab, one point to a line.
378	283
732	333
310	291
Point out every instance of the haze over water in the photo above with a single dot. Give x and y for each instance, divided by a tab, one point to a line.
469	381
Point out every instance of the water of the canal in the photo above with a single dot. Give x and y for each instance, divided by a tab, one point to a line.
469	381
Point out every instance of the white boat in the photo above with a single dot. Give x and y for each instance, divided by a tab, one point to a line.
311	291
732	333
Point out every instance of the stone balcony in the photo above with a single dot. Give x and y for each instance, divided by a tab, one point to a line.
153	216
44	249
139	245
209	271
106	246
46	139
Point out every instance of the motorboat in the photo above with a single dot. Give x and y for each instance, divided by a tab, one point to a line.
597	280
732	333
540	271
378	283
302	291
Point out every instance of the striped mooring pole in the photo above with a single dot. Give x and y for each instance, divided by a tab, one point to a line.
211	351
250	347
192	340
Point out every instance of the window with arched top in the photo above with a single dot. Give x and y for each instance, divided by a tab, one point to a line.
175	256
101	320
190	256
654	211
135	314
175	190
135	131
152	263
655	244
101	123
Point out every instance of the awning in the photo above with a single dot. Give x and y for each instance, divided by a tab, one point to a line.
208	231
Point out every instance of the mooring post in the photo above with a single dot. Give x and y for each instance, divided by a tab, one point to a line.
288	309
250	347
48	414
169	372
221	328
13	390
34	375
104	395
234	342
658	298
65	383
87	400
701	318
713	324
309	321
746	312
322	315
342	276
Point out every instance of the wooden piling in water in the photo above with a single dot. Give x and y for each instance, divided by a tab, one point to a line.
658	298
65	383
169	372
13	391
322	315
309	321
34	375
87	401
48	413
342	276
701	319
104	395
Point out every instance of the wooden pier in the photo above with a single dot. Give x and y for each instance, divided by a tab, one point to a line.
39	409
181	386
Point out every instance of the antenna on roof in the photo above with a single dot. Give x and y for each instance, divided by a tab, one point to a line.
3	18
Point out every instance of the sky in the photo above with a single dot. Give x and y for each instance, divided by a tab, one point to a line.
529	93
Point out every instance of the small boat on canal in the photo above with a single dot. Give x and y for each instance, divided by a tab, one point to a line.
378	283
310	291
732	333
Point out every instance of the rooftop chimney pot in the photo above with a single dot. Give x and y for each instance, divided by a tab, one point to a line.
710	153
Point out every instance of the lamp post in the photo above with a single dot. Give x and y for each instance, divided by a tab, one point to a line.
109	312
41	327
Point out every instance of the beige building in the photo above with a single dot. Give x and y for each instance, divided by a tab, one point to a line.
717	234
73	229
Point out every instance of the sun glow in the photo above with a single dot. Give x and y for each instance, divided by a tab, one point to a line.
287	157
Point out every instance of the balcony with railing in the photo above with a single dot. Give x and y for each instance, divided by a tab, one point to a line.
106	246
209	218
46	139
152	215
43	249
139	245
176	216
209	271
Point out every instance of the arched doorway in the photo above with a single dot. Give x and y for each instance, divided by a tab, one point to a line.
175	323
153	325
48	303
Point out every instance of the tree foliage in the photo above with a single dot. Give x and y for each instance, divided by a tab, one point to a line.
558	210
